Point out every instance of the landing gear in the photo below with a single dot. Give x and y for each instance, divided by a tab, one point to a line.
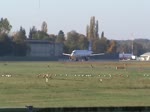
73	59
79	59
76	59
86	58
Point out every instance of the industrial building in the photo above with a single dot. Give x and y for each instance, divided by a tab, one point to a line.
44	48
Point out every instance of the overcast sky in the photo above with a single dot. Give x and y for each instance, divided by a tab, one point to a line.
119	19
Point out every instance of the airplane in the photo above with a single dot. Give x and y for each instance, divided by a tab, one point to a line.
81	54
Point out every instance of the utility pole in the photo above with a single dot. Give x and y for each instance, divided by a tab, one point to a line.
132	46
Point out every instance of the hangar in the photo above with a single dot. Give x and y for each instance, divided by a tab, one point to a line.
145	57
44	48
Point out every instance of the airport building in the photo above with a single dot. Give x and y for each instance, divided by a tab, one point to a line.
44	48
127	56
145	57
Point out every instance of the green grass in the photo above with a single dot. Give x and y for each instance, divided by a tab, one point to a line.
25	88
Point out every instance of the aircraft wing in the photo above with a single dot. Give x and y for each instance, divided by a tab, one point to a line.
97	54
66	54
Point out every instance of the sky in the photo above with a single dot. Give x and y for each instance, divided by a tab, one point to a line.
119	19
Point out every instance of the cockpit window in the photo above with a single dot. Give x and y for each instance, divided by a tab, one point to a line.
74	52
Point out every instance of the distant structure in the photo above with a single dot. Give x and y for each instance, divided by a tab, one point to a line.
126	56
44	48
145	57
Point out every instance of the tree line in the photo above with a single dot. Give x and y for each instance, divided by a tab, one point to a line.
15	44
137	46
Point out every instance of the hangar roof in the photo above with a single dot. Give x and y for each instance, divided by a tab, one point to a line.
146	54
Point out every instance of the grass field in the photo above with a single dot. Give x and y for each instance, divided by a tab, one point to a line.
74	84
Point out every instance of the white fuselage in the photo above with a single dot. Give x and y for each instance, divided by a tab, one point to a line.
81	53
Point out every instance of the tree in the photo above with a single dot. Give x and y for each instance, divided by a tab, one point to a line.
75	41
92	34
5	41
72	41
60	37
32	32
5	26
40	34
138	49
100	45
112	47
88	32
22	33
83	42
20	46
52	37
92	29
6	45
20	36
96	30
44	27
102	35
